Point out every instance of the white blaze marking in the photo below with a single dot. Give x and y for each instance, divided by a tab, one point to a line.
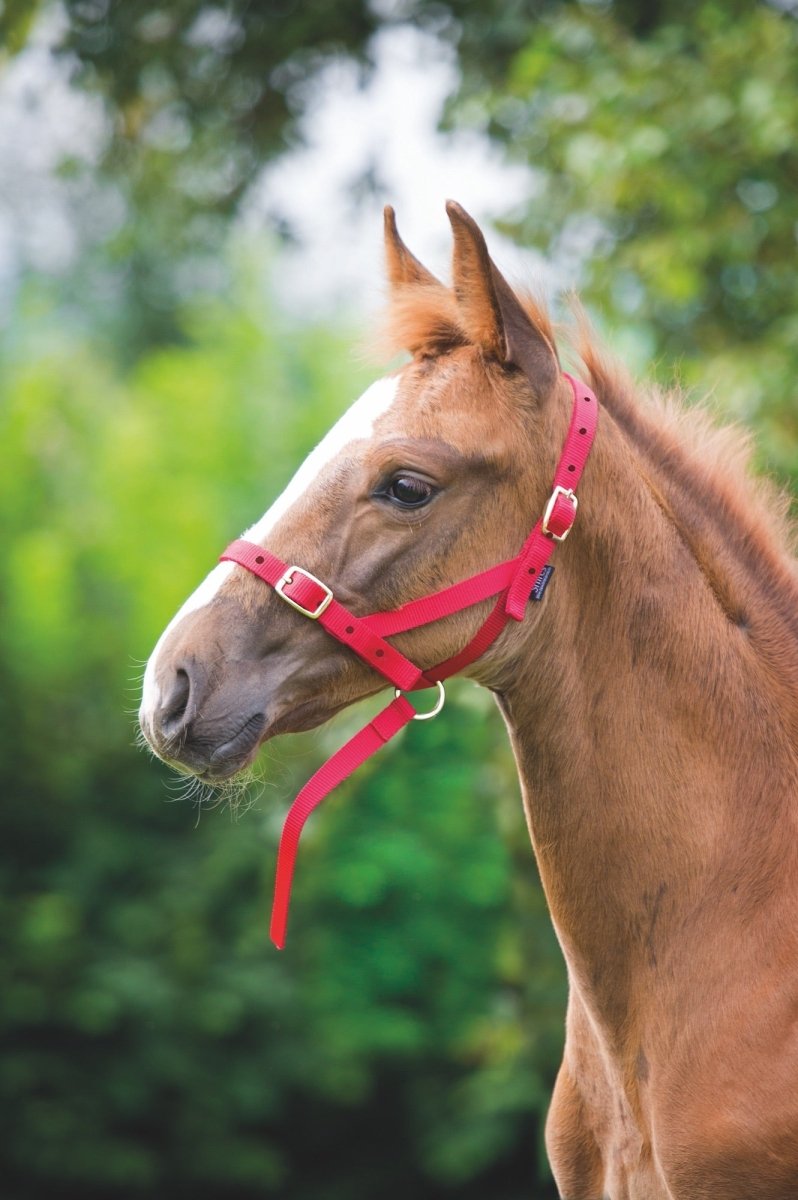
356	424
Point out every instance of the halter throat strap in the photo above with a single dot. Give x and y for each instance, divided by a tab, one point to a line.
511	582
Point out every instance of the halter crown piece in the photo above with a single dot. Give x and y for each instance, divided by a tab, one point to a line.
511	582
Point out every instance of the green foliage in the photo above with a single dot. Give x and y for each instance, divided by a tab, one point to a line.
17	18
405	1043
155	1043
668	162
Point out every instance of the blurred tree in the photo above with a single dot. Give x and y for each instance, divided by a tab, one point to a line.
663	139
153	1043
200	96
195	69
669	168
16	20
220	78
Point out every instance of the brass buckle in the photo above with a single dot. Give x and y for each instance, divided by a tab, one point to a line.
433	712
553	498
288	577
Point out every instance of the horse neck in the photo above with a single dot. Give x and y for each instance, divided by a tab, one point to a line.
651	733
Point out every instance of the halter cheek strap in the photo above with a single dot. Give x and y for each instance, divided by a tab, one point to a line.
511	582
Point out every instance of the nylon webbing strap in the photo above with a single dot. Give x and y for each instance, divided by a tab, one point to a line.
303	592
346	760
510	582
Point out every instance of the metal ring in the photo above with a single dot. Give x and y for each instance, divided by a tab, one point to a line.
433	712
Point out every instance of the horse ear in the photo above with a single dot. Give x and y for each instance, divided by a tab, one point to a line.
403	267
473	283
492	313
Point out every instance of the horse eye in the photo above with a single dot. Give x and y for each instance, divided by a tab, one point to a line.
408	491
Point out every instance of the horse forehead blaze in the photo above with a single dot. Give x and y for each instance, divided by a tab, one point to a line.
357	423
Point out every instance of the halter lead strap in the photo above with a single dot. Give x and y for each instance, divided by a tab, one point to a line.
511	582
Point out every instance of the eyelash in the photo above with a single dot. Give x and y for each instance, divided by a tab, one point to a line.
424	491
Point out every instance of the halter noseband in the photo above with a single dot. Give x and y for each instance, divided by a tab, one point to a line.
512	582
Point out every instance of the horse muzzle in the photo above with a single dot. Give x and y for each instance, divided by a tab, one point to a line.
193	727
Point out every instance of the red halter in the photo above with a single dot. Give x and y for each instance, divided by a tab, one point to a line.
511	581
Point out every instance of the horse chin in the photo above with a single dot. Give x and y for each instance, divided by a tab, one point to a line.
308	715
238	753
220	764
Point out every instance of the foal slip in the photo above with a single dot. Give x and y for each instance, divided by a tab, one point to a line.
512	582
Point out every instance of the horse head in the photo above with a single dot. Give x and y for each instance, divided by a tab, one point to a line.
429	478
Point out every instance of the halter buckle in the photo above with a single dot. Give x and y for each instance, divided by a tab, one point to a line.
288	578
567	494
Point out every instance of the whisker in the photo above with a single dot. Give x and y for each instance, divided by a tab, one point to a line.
239	794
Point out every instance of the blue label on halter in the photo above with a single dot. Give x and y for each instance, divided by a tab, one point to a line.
541	583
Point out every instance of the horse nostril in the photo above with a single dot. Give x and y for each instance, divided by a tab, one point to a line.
175	704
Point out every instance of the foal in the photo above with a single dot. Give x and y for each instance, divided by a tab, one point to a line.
650	700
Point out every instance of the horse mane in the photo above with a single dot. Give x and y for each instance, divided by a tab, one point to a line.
702	467
706	469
